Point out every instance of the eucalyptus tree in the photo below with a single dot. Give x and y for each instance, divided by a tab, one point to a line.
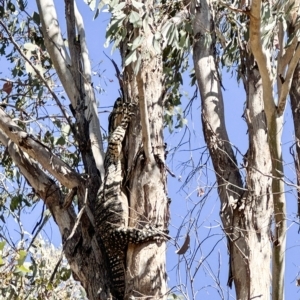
261	38
106	235
61	154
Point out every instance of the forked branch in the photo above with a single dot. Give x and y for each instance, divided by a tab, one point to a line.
261	58
39	152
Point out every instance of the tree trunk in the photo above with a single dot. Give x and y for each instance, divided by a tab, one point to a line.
245	211
295	106
274	120
258	201
146	273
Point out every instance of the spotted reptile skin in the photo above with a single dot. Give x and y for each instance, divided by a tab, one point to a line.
112	206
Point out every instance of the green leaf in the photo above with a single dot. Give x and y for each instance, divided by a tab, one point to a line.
207	40
2	262
2	244
165	30
183	38
66	129
137	42
171	34
36	18
137	65
137	5
1	11
188	28
91	4
11	7
130	58
178	78
100	6
22	270
114	28
176	36
40	93
22	257
97	12
65	274
33	268
116	43
15	201
60	141
182	123
135	19
119	7
30	46
158	35
156	45
22	25
113	3
22	4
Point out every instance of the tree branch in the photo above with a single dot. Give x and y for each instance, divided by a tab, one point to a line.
38	73
229	178
285	89
39	152
285	55
274	121
42	184
261	58
80	260
144	119
56	47
62	63
91	111
288	53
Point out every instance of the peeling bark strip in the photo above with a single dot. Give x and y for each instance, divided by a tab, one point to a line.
62	62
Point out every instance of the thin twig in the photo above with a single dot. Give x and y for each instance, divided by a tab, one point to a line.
41	77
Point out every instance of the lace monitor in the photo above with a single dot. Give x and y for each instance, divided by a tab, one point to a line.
112	208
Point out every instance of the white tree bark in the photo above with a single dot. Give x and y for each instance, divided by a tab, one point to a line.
259	201
63	63
275	124
245	211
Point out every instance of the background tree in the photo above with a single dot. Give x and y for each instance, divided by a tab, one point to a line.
61	153
268	54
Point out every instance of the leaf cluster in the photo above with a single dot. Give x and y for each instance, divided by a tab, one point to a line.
28	102
232	31
171	37
26	274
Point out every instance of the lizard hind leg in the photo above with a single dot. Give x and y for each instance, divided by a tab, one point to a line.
137	236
